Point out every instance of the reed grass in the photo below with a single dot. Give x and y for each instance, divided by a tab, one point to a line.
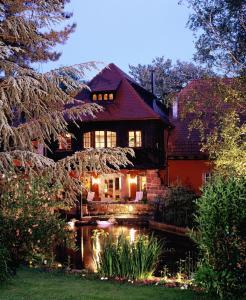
120	257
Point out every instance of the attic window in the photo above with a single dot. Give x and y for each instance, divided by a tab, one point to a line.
103	96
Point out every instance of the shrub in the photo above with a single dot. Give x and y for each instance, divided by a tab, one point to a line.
220	235
128	259
5	271
177	208
30	224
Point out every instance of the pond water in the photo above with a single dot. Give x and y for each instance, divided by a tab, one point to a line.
178	252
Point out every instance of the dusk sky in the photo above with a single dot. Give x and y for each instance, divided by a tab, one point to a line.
126	32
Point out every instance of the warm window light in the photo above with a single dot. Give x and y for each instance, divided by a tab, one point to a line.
87	140
111	96
100	97
105	97
133	180
135	138
65	141
95	180
130	208
132	234
94	97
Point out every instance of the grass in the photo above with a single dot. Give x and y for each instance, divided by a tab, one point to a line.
38	285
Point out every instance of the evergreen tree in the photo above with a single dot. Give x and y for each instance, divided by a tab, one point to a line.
32	104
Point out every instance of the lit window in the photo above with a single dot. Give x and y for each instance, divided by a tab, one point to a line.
111	139
94	97
100	97
206	177
65	142
111	96
99	139
105	97
135	139
87	140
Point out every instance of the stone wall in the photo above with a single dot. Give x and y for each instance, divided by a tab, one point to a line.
155	188
134	209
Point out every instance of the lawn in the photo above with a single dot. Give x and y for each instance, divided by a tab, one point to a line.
37	285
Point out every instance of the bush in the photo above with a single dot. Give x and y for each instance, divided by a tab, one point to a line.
30	225
128	259
5	271
177	208
220	235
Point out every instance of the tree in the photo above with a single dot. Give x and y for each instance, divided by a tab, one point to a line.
216	107
34	108
221	44
32	105
221	28
220	235
169	78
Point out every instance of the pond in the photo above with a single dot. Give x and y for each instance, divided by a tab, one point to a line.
178	252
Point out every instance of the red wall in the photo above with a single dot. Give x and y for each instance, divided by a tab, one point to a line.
188	172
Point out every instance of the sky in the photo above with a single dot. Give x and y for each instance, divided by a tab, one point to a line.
126	32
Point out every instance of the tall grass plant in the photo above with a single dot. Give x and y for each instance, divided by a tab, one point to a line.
121	257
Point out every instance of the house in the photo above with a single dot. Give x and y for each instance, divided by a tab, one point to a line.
187	164
132	117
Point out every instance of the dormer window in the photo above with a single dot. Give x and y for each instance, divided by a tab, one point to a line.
103	96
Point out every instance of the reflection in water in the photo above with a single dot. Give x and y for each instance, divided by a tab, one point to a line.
89	248
132	234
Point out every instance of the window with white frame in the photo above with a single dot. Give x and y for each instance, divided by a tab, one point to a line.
87	140
100	139
65	142
206	177
135	139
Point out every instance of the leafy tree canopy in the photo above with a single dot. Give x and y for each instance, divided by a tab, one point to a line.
222	41
169	77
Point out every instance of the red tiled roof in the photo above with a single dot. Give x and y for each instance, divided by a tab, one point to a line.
205	93
128	104
182	143
108	79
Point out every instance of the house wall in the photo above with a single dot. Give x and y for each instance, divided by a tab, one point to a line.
189	173
150	155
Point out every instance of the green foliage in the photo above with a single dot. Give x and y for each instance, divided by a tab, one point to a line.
30	224
177	208
128	259
221	33
4	264
228	147
221	221
169	78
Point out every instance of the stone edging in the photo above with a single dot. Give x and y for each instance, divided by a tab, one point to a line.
168	228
